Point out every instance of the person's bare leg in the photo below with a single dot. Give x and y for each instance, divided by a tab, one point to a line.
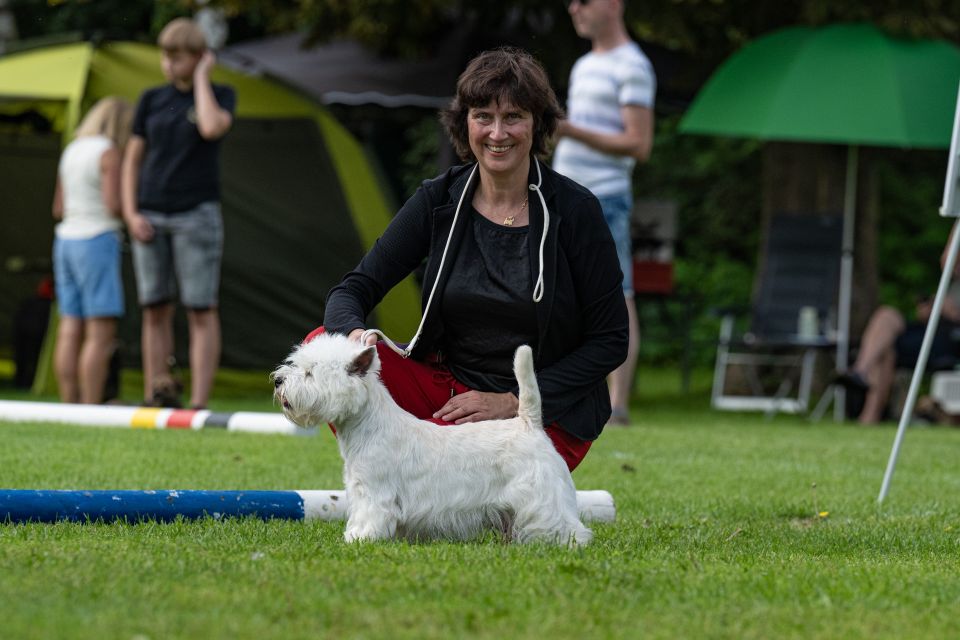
204	353
65	356
99	340
881	378
156	341
620	381
885	324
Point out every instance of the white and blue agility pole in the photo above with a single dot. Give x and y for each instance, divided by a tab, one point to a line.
28	505
951	209
25	505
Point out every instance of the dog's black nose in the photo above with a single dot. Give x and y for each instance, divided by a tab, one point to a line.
277	382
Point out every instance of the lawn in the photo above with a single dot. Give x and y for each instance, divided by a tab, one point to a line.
729	526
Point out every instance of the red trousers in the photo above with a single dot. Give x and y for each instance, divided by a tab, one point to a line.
421	388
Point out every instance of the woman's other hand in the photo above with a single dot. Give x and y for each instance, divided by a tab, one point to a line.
474	406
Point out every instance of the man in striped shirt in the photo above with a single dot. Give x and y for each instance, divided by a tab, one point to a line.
609	128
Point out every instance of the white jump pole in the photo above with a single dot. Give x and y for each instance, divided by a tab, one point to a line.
146	417
921	366
947	209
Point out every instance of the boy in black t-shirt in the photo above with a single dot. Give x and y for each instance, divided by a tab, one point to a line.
171	205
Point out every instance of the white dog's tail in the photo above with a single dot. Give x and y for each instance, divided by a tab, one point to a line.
529	409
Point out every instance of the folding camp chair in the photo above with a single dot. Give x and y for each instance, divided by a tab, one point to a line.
775	361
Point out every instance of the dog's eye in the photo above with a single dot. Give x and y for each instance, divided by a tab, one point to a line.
308	374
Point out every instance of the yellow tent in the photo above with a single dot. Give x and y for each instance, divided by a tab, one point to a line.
301	200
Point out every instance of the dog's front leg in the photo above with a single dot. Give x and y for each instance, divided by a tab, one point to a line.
371	516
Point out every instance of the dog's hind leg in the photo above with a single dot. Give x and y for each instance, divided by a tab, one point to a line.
546	511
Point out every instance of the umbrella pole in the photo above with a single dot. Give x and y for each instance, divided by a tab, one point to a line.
921	366
846	279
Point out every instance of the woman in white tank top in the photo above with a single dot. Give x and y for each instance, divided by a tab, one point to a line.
86	250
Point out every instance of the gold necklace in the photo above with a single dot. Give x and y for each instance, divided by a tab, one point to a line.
508	221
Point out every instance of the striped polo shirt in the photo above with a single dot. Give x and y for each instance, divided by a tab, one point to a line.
600	85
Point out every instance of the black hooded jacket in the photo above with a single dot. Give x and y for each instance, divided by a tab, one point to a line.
581	318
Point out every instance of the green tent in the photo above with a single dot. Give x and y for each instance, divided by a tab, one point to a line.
301	202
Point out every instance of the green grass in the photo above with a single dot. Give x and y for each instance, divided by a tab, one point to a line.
729	526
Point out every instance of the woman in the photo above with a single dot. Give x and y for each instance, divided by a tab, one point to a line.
515	254
86	250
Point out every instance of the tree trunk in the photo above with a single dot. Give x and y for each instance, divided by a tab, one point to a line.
803	179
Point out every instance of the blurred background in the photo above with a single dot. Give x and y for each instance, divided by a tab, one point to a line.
382	68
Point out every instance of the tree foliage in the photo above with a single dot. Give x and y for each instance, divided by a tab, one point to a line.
708	28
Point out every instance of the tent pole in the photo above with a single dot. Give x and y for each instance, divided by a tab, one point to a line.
921	365
846	279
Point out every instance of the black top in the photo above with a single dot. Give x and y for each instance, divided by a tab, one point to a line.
180	169
581	319
487	307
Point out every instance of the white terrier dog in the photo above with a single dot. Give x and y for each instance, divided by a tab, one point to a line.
409	478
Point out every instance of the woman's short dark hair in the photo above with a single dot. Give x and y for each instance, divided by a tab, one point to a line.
506	76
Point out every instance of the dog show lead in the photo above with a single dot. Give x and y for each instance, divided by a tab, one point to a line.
502	268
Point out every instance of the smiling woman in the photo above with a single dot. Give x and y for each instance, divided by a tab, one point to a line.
500	139
515	254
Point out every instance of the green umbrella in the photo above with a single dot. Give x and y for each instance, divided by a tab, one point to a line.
845	83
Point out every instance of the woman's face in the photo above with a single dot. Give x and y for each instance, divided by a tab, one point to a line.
501	137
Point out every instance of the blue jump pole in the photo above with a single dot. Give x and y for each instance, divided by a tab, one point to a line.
25	505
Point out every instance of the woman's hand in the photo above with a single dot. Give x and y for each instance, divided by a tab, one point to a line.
474	406
357	333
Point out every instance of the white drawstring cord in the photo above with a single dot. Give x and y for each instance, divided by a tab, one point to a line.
537	289
390	343
413	342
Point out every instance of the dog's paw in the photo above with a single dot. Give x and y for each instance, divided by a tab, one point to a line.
580	537
368	532
352	536
360	535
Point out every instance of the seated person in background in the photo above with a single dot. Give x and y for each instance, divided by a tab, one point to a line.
890	343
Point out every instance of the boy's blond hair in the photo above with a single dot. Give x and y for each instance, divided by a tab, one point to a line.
111	117
182	34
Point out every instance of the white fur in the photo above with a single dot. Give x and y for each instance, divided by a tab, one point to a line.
409	478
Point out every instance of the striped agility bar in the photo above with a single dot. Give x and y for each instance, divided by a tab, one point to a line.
25	505
28	505
146	417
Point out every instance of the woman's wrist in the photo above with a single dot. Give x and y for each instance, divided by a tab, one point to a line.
514	404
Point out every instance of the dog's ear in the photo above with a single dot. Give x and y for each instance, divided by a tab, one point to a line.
361	363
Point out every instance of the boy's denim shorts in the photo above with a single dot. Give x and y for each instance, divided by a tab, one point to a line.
184	256
617	210
87	276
